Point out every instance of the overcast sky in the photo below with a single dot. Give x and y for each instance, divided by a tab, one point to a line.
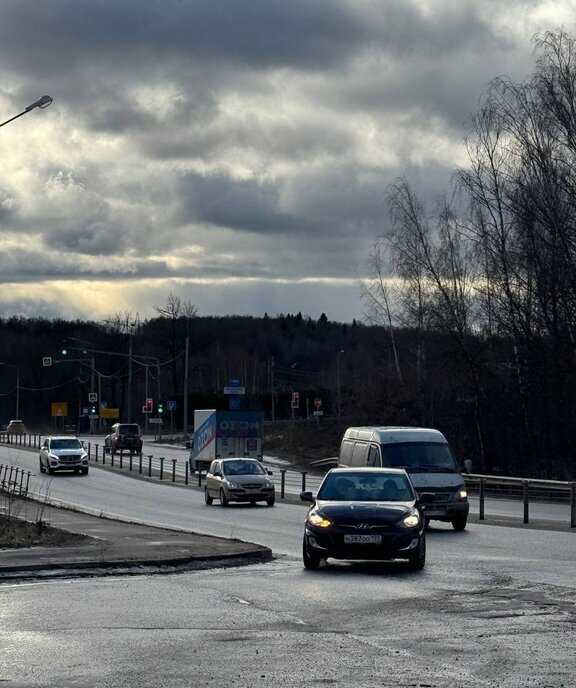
235	153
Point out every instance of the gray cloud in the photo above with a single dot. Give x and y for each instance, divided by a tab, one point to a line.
214	140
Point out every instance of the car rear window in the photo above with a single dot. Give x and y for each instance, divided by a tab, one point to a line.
129	430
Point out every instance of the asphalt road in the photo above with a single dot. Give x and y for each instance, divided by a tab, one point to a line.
494	607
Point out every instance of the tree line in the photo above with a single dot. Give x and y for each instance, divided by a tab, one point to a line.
492	268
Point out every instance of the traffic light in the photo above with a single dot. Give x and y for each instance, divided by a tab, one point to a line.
160	408
64	352
149	405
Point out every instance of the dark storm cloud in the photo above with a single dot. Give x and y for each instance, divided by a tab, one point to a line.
208	139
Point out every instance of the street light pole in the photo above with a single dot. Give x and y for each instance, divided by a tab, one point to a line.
9	365
341	351
41	103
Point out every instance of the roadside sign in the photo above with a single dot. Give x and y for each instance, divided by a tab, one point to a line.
59	408
234	390
92	397
318	413
156	421
109	412
47	361
171	405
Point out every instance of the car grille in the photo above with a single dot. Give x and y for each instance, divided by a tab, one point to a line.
253	486
440	497
70	458
373	528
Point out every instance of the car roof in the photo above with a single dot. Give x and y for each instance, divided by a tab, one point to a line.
239	458
369	469
61	437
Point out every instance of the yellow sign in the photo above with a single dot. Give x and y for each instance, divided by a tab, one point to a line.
59	409
109	413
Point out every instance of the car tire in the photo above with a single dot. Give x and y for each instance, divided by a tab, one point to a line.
207	498
311	561
222	497
417	560
42	469
426	522
271	501
459	523
84	471
50	470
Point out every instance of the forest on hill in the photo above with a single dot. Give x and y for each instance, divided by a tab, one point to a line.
359	375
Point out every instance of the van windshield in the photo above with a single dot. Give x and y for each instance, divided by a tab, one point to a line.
419	457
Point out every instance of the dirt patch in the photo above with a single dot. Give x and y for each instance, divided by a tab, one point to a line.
16	533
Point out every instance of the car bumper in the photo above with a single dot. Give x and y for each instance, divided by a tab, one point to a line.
448	511
245	496
68	465
397	545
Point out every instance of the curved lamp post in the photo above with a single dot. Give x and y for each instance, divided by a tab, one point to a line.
9	365
41	103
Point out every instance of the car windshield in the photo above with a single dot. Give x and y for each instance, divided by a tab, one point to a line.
419	456
242	468
66	443
365	487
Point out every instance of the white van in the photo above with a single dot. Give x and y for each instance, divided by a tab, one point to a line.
425	455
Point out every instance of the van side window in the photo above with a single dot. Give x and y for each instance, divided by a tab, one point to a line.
359	454
346	452
373	456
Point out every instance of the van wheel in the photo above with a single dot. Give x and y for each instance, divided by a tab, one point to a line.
84	471
207	498
459	523
271	501
223	498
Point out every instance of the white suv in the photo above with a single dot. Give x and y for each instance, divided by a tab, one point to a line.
63	453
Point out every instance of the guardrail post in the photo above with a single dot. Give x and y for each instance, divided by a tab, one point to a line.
199	477
161	468
112	457
89	450
282	482
21	481
186	472
150	466
481	506
130	467
96	453
174	470
10	477
304	480
140	463
526	485
27	483
121	457
572	505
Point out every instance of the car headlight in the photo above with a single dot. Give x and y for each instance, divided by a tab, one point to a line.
53	456
269	483
461	493
412	520
319	521
233	484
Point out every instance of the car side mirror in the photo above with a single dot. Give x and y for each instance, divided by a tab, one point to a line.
307	497
217	474
269	471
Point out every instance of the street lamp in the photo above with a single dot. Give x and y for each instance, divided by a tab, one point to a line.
9	365
341	351
41	103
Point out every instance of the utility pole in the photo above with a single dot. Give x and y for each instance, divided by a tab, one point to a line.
185	404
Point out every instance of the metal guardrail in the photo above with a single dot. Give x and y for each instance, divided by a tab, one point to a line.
14	480
294	482
526	489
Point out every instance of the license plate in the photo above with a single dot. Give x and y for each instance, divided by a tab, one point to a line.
362	539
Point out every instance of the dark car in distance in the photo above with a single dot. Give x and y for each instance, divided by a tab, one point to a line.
365	514
124	436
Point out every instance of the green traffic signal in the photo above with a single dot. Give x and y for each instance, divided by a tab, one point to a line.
64	352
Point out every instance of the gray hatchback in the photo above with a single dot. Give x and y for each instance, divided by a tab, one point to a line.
239	480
